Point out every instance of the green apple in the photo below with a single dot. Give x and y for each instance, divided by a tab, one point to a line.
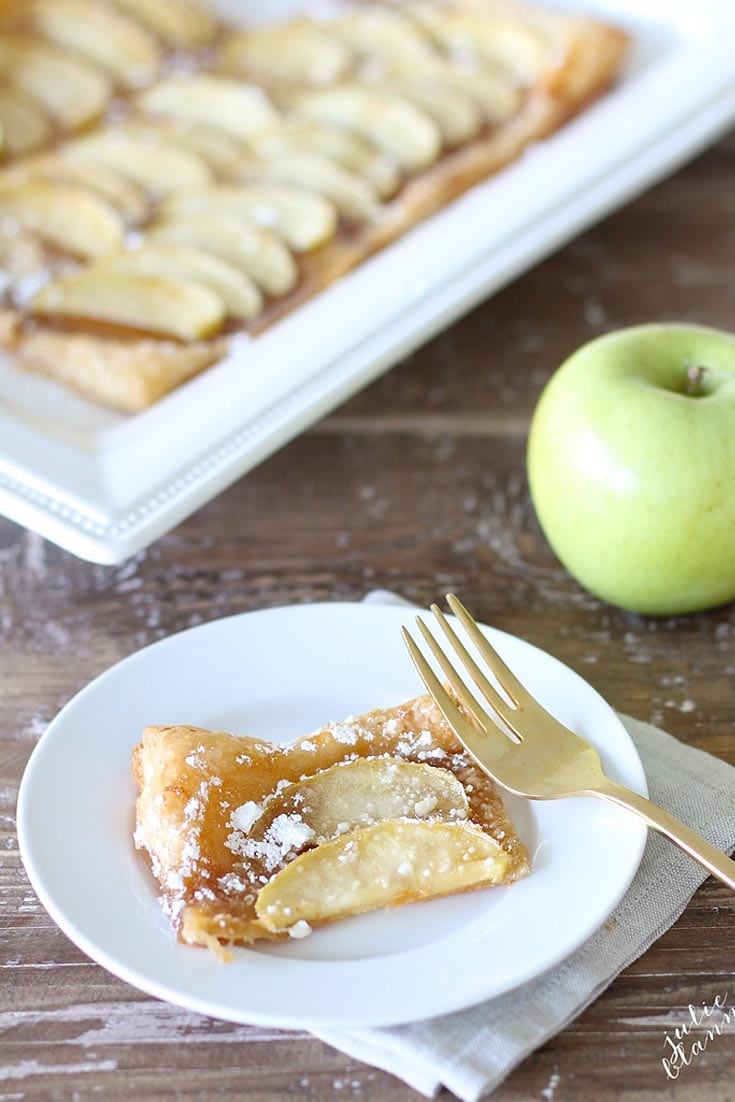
631	464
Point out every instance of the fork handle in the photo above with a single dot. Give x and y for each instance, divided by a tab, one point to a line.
677	832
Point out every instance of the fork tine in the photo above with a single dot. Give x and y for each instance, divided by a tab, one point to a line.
454	679
506	678
478	744
491	694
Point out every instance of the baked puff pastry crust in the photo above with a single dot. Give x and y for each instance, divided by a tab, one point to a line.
217	199
249	840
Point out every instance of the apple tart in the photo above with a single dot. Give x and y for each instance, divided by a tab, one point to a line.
169	181
249	840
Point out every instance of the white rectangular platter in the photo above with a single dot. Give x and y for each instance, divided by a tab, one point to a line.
103	486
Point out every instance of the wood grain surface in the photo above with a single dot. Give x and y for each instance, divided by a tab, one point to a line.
416	485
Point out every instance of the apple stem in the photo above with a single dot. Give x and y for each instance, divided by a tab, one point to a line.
696	377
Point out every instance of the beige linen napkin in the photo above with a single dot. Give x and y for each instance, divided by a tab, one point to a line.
472	1051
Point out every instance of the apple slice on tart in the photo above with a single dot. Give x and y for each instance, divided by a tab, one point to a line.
157	166
454	110
256	252
218	148
71	218
398	128
352	794
524	47
353	197
179	24
343	147
302	219
65	86
128	199
295	53
384	35
23	125
239	294
136	300
106	37
22	257
382	865
239	109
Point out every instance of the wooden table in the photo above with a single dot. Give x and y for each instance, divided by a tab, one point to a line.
416	485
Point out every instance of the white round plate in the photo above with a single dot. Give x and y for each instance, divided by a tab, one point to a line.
279	674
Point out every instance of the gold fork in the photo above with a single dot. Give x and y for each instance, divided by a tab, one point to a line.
524	749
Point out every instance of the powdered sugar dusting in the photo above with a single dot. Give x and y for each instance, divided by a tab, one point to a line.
299	929
285	836
243	817
192	864
347	733
425	806
232	884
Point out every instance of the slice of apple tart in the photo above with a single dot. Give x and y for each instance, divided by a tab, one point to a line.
176	200
249	840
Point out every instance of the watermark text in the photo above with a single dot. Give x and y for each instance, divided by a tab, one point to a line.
709	1022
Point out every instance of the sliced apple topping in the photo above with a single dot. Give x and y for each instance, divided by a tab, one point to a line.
395	126
303	220
258	253
353	196
497	94
358	793
520	48
68	88
389	863
492	88
106	37
158	166
385	35
241	297
25	127
239	109
22	259
127	198
181	24
169	307
457	114
223	152
71	218
347	149
298	52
